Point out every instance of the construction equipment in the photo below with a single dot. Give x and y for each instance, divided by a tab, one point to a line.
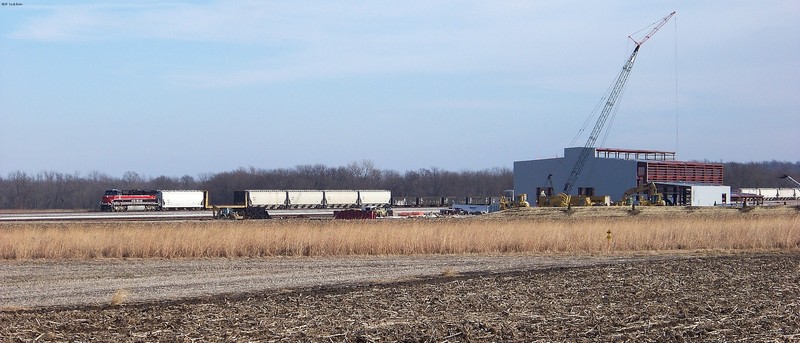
786	176
644	195
563	199
509	202
226	213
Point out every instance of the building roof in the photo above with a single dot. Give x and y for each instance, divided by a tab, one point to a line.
635	154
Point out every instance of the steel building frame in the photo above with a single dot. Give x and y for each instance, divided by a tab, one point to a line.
631	154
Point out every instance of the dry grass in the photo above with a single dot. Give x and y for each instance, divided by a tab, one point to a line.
119	297
20	241
449	272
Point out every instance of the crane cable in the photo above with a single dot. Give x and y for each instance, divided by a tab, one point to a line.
594	114
590	118
620	95
645	28
616	108
676	85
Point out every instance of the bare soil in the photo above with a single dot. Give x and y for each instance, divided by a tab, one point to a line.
42	283
731	297
643	212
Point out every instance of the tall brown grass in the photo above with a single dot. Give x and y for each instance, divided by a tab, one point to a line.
392	237
119	296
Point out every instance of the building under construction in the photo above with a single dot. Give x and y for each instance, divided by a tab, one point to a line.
615	174
613	171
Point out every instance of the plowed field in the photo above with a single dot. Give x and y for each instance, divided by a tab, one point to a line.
740	297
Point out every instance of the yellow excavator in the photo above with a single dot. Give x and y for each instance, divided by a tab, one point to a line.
644	195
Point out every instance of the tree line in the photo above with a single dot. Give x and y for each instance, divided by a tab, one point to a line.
761	174
54	190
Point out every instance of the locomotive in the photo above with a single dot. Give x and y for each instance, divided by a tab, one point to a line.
120	200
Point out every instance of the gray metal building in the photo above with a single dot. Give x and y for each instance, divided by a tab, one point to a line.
613	171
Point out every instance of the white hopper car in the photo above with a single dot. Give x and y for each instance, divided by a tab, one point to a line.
307	199
182	200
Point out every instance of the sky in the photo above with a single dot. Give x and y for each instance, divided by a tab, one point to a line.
195	87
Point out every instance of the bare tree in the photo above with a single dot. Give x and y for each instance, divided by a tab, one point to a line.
22	189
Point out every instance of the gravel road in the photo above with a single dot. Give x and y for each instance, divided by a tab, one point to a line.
29	284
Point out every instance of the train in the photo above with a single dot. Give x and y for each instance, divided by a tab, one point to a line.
160	200
774	194
116	200
256	204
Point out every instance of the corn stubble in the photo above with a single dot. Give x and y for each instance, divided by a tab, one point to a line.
226	239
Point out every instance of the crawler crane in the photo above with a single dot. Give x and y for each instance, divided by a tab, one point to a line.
786	176
563	199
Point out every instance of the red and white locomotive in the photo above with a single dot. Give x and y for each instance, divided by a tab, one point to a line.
115	200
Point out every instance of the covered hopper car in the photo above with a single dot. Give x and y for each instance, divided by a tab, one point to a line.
312	199
428	201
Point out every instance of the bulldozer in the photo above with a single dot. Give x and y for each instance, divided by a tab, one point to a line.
509	201
644	195
564	200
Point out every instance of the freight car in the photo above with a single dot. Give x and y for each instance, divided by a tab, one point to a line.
449	201
311	199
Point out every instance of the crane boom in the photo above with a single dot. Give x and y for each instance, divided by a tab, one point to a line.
786	176
609	105
657	26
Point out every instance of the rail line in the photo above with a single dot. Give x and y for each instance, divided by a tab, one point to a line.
111	216
179	215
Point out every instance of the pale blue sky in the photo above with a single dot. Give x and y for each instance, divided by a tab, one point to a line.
180	87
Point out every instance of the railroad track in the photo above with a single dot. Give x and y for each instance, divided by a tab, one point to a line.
61	216
174	215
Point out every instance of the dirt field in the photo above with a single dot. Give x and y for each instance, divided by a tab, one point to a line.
747	297
719	294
